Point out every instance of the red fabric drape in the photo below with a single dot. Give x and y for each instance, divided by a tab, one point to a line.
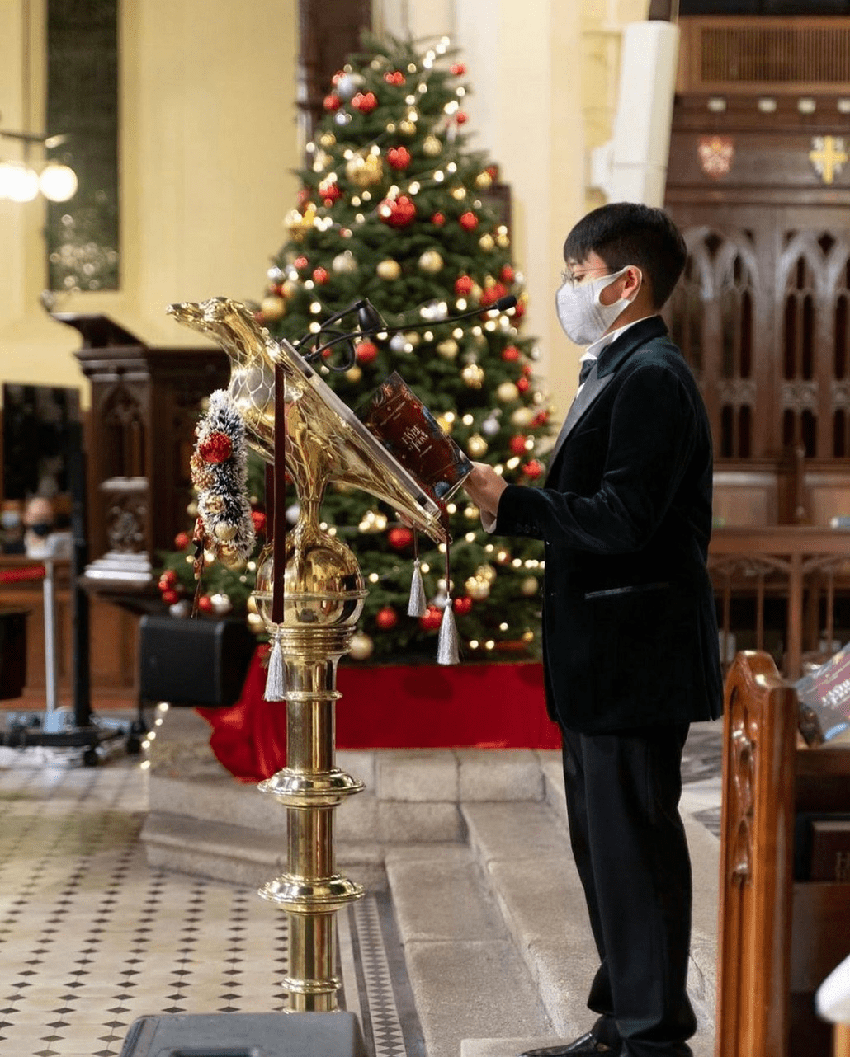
396	707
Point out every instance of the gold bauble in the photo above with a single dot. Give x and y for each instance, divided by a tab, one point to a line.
528	636
224	531
411	338
445	424
477	446
273	307
486	572
529	585
487	243
447	349
344	262
365	170
477	588
354	374
506	392
327	139
502	241
471	512
522	416
431	262
473	375
290	288
407	128
484	180
361	646
388	269
432	146
459	193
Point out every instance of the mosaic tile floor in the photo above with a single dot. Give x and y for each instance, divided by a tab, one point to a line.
92	938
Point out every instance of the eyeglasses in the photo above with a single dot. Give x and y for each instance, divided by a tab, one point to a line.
569	277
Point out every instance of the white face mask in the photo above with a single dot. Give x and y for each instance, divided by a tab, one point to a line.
582	315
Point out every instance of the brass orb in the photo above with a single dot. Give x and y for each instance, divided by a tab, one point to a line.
431	262
487	243
273	308
506	392
432	146
447	348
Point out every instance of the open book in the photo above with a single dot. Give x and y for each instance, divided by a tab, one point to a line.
406	428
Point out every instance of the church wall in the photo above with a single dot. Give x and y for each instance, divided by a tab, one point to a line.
208	139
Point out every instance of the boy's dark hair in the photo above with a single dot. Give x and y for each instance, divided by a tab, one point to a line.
629	233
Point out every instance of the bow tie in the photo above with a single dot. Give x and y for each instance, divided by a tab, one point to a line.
586	367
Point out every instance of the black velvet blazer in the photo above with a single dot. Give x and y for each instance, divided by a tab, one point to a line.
629	624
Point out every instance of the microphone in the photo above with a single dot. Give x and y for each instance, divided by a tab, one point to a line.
367	312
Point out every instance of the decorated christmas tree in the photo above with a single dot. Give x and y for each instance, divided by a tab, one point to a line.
396	209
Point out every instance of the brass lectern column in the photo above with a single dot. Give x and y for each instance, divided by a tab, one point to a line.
324	594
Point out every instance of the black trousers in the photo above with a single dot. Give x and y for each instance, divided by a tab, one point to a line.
629	845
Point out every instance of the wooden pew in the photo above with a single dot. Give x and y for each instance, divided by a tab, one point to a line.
778	937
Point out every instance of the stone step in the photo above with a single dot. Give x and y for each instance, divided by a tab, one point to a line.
468	978
522	851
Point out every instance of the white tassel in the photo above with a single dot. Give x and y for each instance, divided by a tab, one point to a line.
417	606
275	680
447	647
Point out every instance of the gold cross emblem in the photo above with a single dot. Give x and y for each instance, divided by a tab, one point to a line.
828	156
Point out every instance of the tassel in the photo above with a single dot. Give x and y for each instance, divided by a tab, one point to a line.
447	647
275	681
417	606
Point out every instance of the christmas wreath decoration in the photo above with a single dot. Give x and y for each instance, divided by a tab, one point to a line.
219	469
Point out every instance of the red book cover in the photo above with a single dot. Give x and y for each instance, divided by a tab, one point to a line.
407	429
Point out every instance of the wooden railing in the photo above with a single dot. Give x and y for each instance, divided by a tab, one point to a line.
802	565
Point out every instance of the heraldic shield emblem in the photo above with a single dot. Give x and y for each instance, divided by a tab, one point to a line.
715	155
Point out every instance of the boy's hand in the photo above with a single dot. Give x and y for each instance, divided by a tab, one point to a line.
484	487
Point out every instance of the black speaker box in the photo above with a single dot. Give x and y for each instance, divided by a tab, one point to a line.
13	653
193	661
245	1035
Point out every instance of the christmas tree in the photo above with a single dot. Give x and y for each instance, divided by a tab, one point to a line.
394	208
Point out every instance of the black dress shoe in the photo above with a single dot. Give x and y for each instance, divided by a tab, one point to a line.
585	1046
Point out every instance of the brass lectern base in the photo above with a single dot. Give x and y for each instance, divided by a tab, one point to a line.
245	1035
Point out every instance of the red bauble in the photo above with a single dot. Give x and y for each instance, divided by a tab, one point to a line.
527	370
167	579
170	596
259	519
438	220
400	537
365	351
365	102
398	157
461	118
432	619
492	294
205	604
468	221
181	541
532	469
217	448
386	618
395	77
397	212
507	274
331	102
320	276
540	419
301	263
517	444
330	194
463	286
522	384
510	354
458	69
462	605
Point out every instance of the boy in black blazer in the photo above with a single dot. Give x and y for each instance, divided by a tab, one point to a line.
630	641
